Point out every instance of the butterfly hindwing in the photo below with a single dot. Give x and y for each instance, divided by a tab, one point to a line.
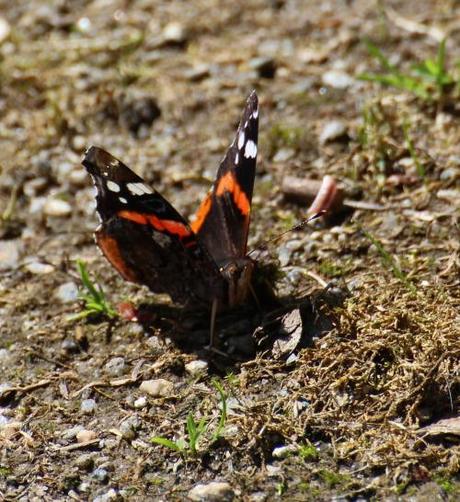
222	220
145	238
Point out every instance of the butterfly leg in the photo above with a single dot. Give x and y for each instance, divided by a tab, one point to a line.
212	328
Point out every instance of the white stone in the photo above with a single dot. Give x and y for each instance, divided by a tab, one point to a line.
88	405
57	207
196	367
332	130
140	402
67	292
85	435
215	491
157	388
337	79
37	268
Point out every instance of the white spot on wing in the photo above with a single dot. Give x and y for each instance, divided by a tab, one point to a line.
114	163
241	140
250	150
237	158
112	186
255	113
139	188
123	200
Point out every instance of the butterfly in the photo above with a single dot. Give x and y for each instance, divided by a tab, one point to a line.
148	242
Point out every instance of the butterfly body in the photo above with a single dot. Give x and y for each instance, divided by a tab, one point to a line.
150	243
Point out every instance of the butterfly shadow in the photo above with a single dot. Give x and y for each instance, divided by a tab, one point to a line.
275	327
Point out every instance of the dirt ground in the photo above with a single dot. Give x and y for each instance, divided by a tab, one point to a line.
361	399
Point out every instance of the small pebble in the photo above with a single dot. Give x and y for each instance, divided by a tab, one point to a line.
85	435
283	155
157	388
36	205
129	427
72	432
5	356
70	346
140	402
67	292
284	255
284	451
449	174
88	406
112	494
85	461
174	33
197	73
115	367
100	474
79	143
215	491
3	420
196	367
57	207
34	186
337	79
5	29
265	66
10	252
333	130
38	268
78	177
258	497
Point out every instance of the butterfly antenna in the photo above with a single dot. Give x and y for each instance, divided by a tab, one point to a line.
299	226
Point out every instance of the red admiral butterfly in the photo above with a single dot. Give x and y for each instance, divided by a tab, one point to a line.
149	242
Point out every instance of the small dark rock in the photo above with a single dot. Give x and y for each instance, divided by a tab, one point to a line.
264	66
136	112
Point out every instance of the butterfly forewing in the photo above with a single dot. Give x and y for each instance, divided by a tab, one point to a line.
222	220
145	238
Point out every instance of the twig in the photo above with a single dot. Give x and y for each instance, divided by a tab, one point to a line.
26	388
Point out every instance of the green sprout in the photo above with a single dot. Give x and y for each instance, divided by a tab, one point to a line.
95	302
428	79
390	262
195	430
413	152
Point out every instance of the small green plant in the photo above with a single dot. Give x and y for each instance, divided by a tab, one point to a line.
308	452
284	136
195	430
4	471
281	488
413	152
428	79
390	262
333	479
95	302
447	485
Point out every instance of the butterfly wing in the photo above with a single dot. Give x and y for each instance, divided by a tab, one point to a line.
222	220
145	238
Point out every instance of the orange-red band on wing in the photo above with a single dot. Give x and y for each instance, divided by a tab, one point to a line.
228	183
201	214
111	250
170	226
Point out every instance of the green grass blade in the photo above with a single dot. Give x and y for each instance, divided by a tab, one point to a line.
172	445
390	262
223	414
413	152
375	52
